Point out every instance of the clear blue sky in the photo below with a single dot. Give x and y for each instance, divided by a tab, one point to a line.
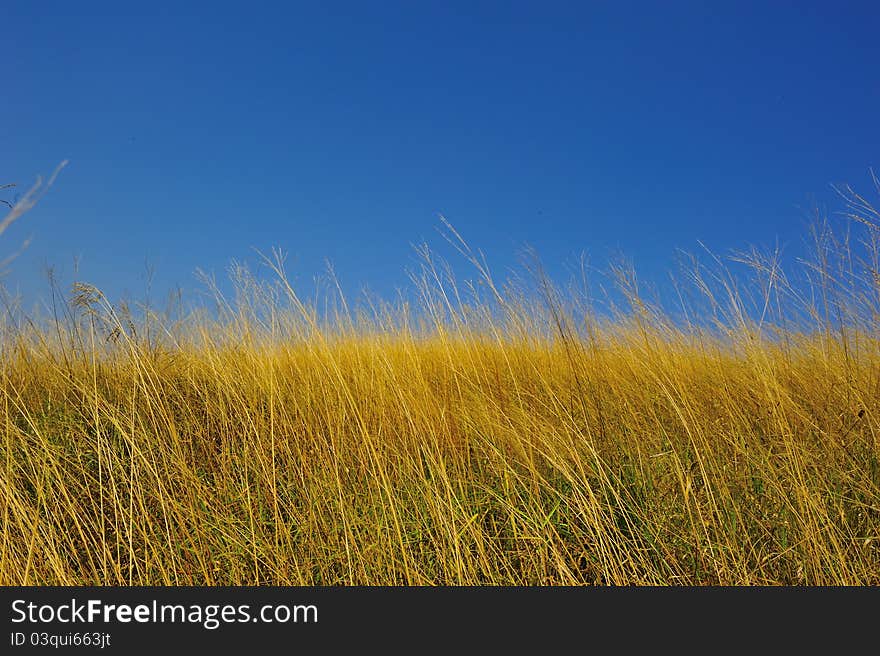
340	131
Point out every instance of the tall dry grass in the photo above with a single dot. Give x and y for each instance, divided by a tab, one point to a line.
516	433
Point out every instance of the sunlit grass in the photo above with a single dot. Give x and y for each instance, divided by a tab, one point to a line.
489	434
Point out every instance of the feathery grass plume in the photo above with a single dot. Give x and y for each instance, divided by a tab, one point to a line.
20	208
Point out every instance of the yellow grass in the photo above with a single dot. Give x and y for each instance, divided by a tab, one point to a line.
491	434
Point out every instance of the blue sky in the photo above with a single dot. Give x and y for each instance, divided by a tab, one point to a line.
340	131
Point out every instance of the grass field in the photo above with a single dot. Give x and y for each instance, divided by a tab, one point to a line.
490	433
